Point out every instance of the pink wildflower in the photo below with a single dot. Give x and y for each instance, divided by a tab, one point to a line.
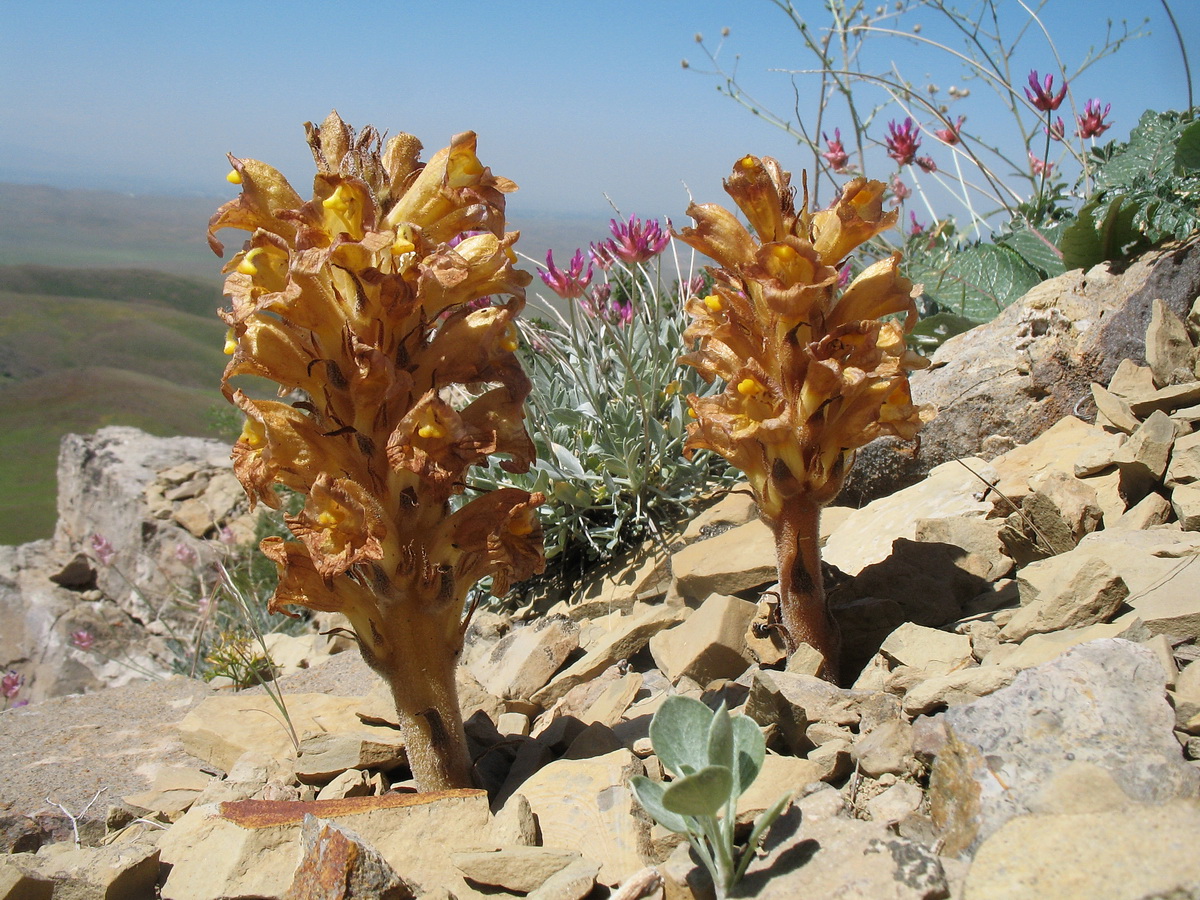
185	554
1091	122
927	164
83	639
632	242
1056	130
1042	95
103	549
953	134
917	227
11	683
836	155
1039	166
903	141
567	284
900	190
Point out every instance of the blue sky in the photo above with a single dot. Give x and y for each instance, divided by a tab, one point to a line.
572	100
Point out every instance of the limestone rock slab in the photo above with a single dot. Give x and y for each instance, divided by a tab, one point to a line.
1102	703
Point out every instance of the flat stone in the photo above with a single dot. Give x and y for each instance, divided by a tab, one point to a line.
104	873
887	748
1101	703
778	776
956	688
1067	591
1055	450
254	848
844	858
710	644
222	728
1168	349
520	869
338	865
1151	510
1185	502
867	534
1143	458
793	702
735	507
625	638
1184	467
1168	399
1115	410
899	801
735	560
586	806
351	783
325	756
930	651
1041	648
975	535
1131	853
1131	381
526	658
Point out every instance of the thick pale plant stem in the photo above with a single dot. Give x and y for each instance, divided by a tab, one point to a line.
420	671
427	707
803	606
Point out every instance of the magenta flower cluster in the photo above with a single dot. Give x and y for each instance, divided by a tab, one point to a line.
1091	121
1041	92
903	141
103	548
836	155
571	282
632	242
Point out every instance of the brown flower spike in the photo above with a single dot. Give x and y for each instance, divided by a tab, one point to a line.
373	307
810	376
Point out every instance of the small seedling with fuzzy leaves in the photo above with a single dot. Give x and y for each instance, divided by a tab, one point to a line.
714	758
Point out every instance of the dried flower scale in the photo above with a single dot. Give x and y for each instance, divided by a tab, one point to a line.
810	375
362	305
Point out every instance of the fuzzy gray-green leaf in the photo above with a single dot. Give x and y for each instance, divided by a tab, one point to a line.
650	795
749	750
679	734
702	793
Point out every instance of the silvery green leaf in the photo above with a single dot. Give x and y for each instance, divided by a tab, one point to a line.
749	750
702	793
650	794
720	739
679	734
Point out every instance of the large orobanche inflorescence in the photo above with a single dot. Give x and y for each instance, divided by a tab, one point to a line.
811	372
383	308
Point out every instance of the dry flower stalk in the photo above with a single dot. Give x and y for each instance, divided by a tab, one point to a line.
810	376
368	306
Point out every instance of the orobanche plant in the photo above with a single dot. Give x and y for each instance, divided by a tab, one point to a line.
811	372
714	758
383	308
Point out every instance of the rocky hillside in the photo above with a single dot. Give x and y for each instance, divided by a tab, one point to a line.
1021	720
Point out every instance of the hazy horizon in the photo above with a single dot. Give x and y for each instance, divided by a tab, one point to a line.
576	102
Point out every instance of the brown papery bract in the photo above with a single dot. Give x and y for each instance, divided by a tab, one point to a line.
360	305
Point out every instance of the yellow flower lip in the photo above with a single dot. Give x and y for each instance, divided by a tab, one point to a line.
230	342
234	177
247	266
750	387
713	302
748	162
431	431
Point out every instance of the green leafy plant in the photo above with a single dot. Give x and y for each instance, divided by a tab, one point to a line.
714	758
608	410
1147	190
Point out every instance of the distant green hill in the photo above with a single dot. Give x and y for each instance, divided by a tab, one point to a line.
75	364
134	285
